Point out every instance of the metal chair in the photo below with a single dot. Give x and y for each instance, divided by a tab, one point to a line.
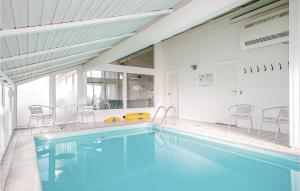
240	111
84	111
275	115
40	112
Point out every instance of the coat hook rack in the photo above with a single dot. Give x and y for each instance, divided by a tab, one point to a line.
245	71
251	70
265	68
272	67
257	68
280	66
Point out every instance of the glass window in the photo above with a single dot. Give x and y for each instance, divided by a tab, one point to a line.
7	112
140	91
66	96
143	58
1	122
32	93
104	89
6	127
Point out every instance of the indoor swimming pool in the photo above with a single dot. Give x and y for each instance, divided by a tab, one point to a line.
143	158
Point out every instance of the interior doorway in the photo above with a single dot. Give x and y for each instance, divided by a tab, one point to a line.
226	89
172	90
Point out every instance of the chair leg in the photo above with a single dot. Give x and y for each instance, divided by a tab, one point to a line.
277	132
43	125
251	124
29	122
94	118
260	127
228	125
235	122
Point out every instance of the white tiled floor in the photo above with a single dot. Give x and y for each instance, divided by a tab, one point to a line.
23	172
264	140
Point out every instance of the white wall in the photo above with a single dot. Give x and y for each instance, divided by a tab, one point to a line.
294	45
220	43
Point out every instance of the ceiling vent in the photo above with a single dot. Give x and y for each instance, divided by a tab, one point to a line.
266	30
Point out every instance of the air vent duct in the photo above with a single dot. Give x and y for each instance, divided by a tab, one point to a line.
266	30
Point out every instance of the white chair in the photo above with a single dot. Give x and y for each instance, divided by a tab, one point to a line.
40	112
275	115
85	111
240	111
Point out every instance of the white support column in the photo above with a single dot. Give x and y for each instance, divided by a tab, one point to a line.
80	86
84	86
15	106
294	73
159	75
125	90
52	93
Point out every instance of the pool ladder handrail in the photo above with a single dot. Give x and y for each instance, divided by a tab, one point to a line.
158	109
166	114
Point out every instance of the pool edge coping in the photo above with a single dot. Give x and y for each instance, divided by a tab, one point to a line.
123	126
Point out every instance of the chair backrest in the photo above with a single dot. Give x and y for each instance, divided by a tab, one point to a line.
241	109
85	108
283	113
36	110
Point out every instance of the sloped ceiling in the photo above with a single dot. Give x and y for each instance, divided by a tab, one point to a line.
43	36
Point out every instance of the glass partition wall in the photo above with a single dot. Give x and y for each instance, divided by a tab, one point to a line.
104	89
108	90
60	87
1	122
140	91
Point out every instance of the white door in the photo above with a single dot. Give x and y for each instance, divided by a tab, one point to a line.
172	87
226	89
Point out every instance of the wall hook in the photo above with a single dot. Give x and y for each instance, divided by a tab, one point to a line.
272	67
194	67
257	68
280	66
245	71
265	68
251	70
288	64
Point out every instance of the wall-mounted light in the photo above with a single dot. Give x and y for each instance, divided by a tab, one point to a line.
194	67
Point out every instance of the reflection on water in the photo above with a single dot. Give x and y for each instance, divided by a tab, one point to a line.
149	161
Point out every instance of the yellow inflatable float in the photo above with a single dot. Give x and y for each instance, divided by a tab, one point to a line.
112	119
137	116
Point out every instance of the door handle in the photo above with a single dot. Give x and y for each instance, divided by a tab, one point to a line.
237	91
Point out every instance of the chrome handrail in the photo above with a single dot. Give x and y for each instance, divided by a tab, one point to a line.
166	113
158	109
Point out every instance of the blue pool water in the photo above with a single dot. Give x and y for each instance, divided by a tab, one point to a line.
137	159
